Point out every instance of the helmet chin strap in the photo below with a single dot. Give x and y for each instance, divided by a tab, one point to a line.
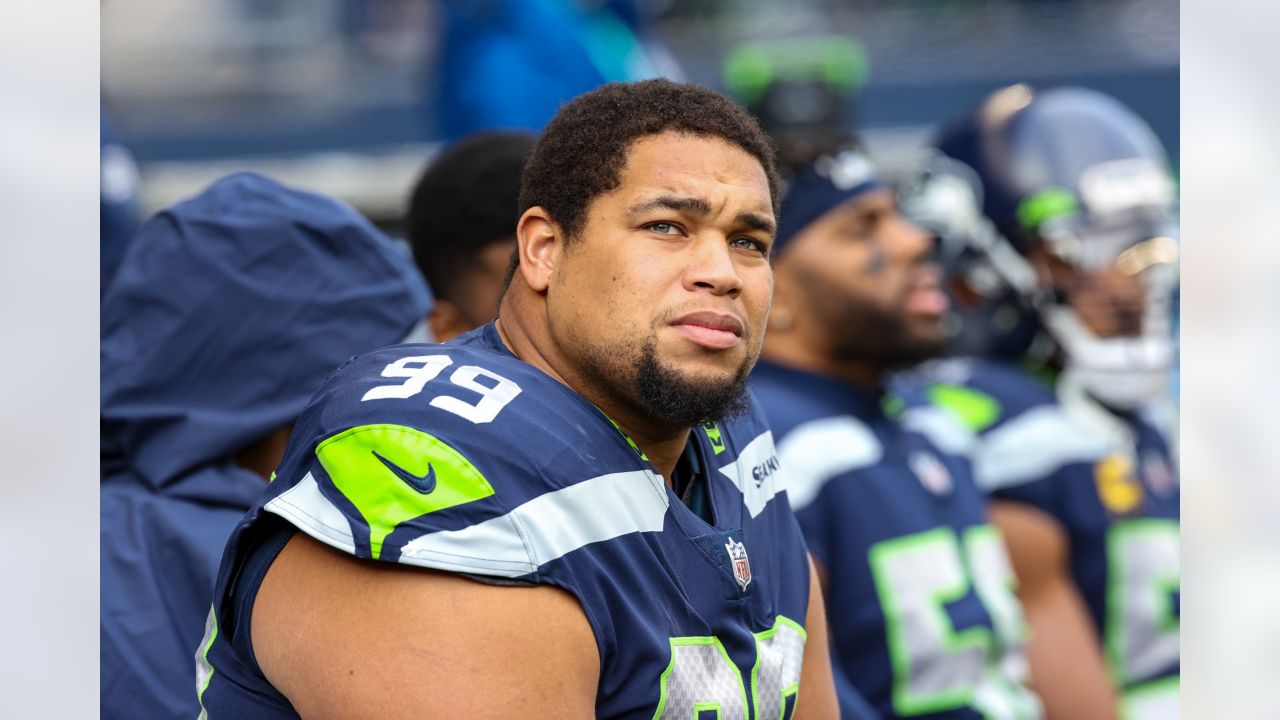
1122	373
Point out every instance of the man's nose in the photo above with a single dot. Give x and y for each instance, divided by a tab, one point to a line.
711	267
908	241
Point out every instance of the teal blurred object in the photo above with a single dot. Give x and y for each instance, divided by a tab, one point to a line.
510	64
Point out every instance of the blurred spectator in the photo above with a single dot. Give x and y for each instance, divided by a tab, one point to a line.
118	195
227	314
461	223
511	63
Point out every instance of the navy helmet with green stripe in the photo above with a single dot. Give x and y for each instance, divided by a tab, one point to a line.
1071	174
803	90
1069	166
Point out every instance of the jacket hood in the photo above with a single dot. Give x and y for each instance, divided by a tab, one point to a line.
228	312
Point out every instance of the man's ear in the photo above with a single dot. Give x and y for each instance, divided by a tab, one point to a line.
540	242
446	321
783	310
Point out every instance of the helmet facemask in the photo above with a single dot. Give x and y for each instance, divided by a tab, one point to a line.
1123	364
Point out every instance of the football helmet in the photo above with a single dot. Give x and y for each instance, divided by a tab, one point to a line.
1070	178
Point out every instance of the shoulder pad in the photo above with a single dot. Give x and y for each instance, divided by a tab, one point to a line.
1032	446
818	451
458	458
982	393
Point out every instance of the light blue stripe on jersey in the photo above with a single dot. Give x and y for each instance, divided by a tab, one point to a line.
547	527
1032	446
941	428
511	545
308	509
542	529
818	451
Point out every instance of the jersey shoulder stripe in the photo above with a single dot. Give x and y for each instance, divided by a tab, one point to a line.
756	474
941	428
1032	446
547	527
818	451
378	468
436	443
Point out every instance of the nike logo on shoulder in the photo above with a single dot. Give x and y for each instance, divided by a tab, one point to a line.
422	483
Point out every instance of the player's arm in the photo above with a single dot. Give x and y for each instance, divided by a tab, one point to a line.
354	639
817	697
1067	668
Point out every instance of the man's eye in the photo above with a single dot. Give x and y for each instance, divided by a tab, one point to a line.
747	243
860	231
663	228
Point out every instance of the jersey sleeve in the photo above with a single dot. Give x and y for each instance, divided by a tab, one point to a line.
422	455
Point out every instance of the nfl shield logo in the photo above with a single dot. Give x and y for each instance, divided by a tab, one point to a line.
741	568
931	472
1157	473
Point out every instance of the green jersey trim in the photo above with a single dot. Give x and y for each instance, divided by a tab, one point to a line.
376	466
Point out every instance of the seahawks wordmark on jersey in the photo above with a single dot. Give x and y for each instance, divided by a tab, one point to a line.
919	590
462	458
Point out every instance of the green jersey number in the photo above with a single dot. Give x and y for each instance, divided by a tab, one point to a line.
702	679
936	668
1141	636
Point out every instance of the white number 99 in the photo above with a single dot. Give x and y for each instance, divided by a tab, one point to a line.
418	370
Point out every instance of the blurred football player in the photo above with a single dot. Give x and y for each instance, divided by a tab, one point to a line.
461	224
559	514
923	619
1057	214
229	311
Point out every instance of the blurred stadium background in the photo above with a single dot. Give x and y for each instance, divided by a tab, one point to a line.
176	77
338	95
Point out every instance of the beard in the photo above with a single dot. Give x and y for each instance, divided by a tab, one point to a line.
662	392
865	332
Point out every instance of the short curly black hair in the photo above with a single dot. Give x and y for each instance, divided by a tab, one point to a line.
583	150
465	201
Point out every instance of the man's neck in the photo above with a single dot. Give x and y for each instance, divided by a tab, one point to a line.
660	443
863	375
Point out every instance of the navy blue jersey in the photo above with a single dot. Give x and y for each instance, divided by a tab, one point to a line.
1111	482
923	619
462	458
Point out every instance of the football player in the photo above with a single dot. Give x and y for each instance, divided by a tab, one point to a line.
461	224
557	514
917	585
1059	211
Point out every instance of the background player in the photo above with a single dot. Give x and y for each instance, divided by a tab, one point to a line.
1066	273
594	447
922	619
227	314
461	224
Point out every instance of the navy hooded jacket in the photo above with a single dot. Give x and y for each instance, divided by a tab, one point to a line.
228	312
